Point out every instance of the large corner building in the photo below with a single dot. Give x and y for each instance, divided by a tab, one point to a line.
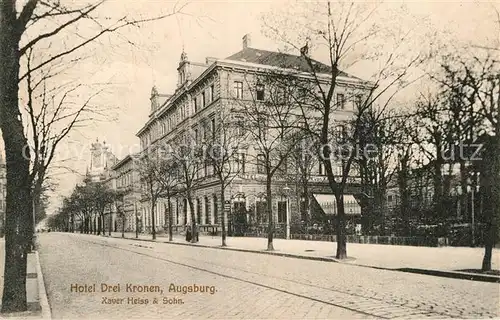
203	88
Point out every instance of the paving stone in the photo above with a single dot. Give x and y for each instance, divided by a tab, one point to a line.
249	285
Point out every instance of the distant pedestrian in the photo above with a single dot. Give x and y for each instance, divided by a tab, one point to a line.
188	234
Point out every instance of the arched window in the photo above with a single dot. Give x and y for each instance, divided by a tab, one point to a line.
198	211
216	211
177	222
185	210
207	211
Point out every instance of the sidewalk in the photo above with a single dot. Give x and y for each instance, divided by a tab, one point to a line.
33	282
444	261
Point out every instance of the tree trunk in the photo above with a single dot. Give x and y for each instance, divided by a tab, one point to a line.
405	196
488	250
170	220
464	206
153	220
491	181
223	214
193	218
269	204
97	224
110	221
18	213
438	187
103	224
341	236
123	225
305	184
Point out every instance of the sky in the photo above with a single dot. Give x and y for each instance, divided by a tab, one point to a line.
210	29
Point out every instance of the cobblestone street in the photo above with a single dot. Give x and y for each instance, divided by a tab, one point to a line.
247	285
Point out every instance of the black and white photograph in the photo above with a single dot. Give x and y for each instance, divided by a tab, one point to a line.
249	159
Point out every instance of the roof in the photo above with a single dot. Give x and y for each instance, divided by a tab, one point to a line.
121	162
282	60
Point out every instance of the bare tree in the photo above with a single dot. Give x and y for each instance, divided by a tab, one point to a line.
102	197
270	124
298	172
226	152
38	22
472	82
381	136
344	29
187	152
158	173
51	113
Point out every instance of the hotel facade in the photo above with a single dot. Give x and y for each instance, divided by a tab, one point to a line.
205	91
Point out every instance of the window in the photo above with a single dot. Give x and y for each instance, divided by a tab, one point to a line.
196	135
238	89
340	101
205	132
321	168
282	211
358	100
284	166
260	92
212	127
207	210
196	104
261	208
340	133
198	211
182	77
203	99
389	198
238	125
216	213
211	90
241	162
261	164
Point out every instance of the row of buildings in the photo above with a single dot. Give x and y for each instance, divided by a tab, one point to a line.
204	90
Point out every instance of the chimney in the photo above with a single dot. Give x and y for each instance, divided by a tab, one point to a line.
247	41
210	60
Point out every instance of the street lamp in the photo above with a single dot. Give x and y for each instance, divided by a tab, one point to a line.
286	190
473	191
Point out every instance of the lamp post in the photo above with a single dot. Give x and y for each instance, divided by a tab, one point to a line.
286	190
473	231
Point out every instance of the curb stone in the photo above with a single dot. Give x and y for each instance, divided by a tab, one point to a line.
438	273
42	293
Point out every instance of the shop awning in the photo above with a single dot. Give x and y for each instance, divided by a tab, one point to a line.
328	203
